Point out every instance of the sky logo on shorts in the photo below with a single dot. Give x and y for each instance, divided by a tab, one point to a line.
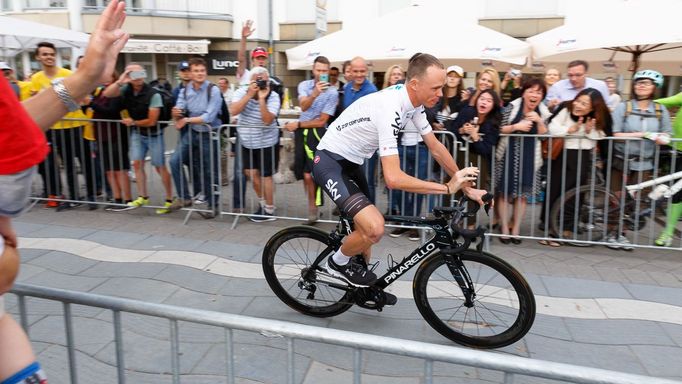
316	159
331	188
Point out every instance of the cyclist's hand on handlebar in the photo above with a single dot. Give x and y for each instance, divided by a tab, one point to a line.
464	178
477	195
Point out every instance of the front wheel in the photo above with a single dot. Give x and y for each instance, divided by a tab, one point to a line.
585	214
287	259
500	313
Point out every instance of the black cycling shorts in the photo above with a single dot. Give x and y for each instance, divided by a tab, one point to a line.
342	180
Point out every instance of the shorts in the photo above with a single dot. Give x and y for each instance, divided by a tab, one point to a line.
114	154
141	144
263	159
342	180
15	189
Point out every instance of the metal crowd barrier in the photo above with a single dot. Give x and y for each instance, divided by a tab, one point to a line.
513	367
213	162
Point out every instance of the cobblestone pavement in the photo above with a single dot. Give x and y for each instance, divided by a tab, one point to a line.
597	307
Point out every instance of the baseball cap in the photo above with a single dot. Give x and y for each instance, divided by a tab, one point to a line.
457	69
259	51
183	65
4	65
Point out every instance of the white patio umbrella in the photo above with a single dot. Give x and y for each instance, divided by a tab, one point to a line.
616	36
395	37
17	35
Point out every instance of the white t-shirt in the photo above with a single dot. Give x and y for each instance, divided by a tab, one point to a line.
372	123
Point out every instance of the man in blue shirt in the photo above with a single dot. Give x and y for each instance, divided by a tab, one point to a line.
567	89
359	86
318	101
198	107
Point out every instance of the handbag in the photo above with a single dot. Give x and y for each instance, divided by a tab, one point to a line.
555	150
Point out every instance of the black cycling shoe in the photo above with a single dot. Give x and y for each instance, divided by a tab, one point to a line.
353	272
390	299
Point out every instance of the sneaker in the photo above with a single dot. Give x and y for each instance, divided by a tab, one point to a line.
166	208
51	202
353	272
67	205
664	240
619	242
398	232
140	201
119	208
413	235
262	216
179	203
199	199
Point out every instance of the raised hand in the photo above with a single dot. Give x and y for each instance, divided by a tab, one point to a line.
246	28
463	178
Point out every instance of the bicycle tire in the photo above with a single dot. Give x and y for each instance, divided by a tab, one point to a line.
285	257
597	207
436	294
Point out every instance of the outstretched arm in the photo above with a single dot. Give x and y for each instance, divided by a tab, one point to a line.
241	54
106	42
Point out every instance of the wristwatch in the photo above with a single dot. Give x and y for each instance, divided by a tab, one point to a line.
64	95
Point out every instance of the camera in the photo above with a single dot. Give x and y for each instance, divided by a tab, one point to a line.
135	75
185	112
261	83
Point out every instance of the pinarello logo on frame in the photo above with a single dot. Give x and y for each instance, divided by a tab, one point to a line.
316	160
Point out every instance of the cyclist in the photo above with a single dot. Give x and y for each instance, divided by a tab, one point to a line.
373	123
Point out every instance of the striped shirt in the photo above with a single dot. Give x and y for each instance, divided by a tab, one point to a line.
258	136
324	103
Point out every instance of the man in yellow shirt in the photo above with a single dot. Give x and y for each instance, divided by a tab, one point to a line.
65	139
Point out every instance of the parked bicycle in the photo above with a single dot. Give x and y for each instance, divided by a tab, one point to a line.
469	296
592	211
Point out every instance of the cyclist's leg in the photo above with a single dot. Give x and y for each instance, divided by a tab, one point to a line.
369	228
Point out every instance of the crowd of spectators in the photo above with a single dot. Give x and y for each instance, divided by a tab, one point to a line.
484	125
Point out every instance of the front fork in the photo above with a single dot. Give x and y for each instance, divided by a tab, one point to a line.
461	275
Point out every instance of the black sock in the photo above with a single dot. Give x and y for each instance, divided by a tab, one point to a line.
169	201
118	201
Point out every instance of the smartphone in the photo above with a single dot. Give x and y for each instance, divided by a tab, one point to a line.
324	78
134	75
515	73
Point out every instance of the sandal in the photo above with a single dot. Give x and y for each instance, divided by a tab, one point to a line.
550	243
664	240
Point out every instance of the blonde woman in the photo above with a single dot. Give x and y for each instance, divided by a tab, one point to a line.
488	78
394	74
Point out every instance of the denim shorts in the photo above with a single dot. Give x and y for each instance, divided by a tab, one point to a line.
140	144
15	189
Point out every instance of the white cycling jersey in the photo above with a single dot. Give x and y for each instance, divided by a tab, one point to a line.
372	123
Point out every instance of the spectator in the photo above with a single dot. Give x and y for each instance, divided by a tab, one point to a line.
517	159
478	129
161	83
8	73
259	56
450	103
339	85
567	89
582	121
614	95
359	85
198	108
22	150
637	118
112	137
258	133
665	239
226	90
511	85
318	100
347	74
488	78
143	105
394	74
185	76
65	138
552	75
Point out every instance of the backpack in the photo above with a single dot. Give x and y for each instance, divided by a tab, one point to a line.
277	87
224	114
167	100
628	112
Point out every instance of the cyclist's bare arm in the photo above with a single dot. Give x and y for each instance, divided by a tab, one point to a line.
445	159
397	179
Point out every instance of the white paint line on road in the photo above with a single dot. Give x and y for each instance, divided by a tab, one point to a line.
591	308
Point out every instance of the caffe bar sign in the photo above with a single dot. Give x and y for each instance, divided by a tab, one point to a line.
198	47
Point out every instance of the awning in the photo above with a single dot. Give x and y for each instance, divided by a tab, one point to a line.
199	47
